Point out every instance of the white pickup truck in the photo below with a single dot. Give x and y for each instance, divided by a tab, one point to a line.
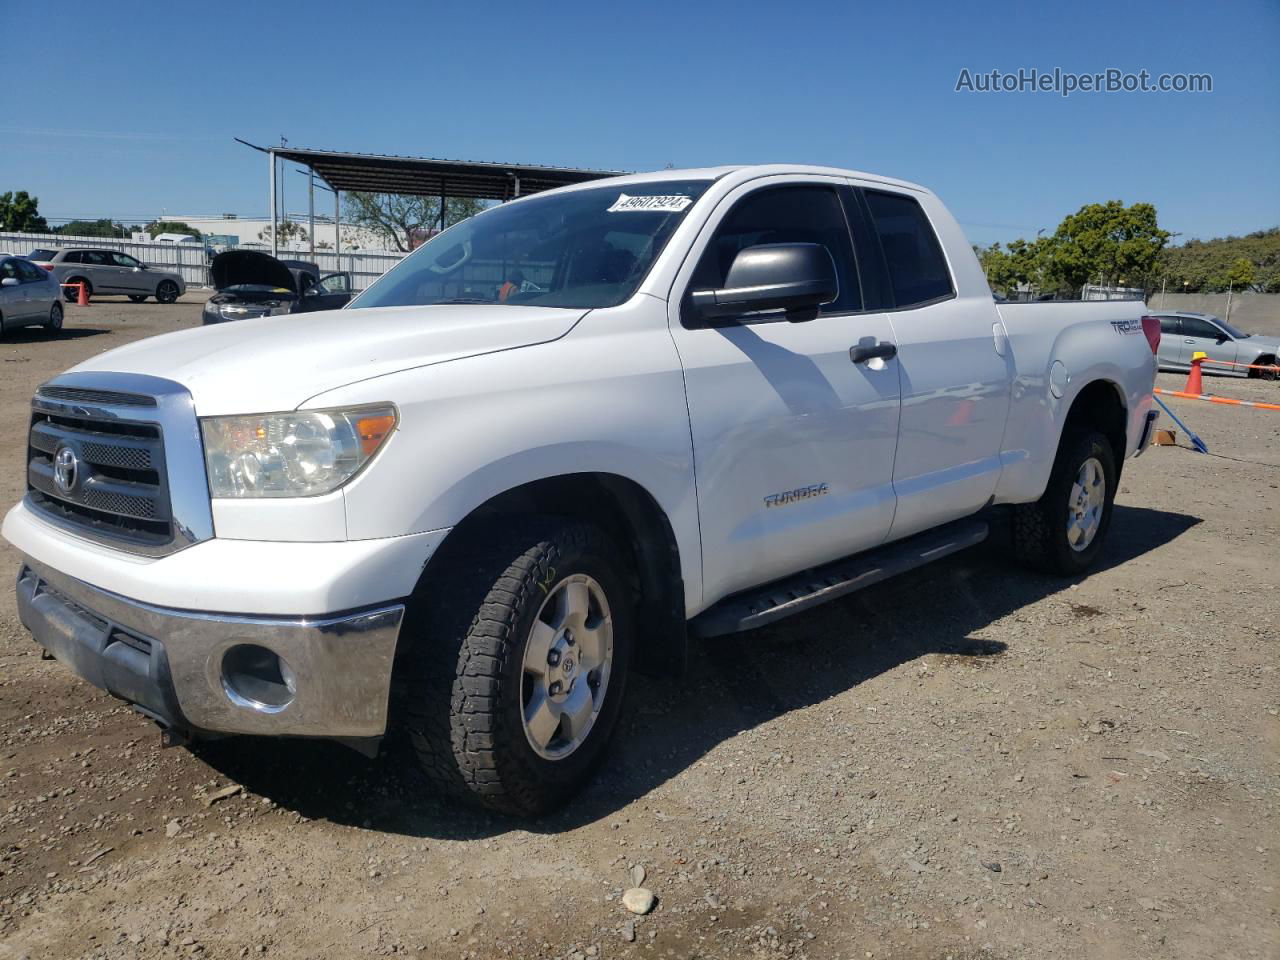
548	447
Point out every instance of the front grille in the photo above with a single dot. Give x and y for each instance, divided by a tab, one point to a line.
118	487
81	395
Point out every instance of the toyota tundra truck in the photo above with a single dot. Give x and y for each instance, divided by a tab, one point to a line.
549	447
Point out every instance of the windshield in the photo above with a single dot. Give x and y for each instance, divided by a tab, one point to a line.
41	254
581	248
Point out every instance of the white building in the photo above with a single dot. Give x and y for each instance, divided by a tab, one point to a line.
255	232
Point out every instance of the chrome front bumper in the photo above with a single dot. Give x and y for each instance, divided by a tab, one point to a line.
168	663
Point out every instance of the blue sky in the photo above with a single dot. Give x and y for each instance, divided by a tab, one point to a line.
133	106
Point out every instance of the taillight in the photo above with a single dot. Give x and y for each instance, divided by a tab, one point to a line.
46	267
1151	327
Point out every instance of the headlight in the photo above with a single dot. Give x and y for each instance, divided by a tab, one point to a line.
300	454
247	311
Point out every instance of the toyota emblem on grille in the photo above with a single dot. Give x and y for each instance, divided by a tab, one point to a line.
65	468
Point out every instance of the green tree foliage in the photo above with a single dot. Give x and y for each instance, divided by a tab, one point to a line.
19	213
288	230
1106	243
157	227
1211	266
94	228
1009	268
404	221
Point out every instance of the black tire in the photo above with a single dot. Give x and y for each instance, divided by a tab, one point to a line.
1266	374
167	292
1040	537
54	323
72	295
138	297
464	674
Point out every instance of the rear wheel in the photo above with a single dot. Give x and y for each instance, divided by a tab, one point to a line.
71	290
1063	531
515	684
54	323
138	297
167	292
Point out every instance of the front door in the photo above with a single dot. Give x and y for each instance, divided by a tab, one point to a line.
953	360
1201	335
130	273
793	442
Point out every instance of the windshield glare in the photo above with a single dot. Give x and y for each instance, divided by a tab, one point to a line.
581	249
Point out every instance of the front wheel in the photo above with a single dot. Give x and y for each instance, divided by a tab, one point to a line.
167	292
1063	531
515	683
54	323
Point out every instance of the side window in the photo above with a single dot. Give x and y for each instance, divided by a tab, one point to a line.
29	273
787	214
334	283
1195	327
917	269
8	270
75	256
95	257
1169	325
124	260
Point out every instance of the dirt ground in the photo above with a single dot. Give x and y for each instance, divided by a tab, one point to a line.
971	761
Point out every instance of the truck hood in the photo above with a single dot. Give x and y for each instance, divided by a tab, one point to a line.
278	363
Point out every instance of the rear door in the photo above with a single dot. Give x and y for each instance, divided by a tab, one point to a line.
955	380
793	442
1170	352
101	271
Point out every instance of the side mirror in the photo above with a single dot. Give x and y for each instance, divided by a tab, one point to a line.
9	282
794	277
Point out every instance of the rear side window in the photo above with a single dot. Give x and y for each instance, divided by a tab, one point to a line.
96	257
1169	325
917	270
75	256
788	214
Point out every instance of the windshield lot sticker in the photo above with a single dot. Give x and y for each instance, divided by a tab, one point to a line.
661	204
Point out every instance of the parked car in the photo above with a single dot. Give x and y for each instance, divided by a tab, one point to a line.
110	272
1184	332
250	283
572	431
29	296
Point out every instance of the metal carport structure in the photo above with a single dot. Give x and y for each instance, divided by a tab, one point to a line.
417	176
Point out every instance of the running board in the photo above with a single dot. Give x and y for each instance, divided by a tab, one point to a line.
810	588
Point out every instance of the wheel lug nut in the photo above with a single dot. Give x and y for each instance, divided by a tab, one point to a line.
556	688
553	657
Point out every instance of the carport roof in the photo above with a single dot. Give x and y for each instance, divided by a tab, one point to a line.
431	177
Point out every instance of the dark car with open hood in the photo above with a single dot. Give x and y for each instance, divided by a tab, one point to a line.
250	283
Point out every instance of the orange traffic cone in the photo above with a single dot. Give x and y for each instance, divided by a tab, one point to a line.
83	301
1193	378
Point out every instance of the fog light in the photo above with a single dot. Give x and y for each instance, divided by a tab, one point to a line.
254	677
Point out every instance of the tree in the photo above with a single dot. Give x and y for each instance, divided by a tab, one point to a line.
288	230
1105	242
1021	264
157	227
1240	276
1211	266
19	213
404	221
94	228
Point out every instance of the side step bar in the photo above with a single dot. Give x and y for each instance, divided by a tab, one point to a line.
810	588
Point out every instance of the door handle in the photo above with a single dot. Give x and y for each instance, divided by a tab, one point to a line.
884	350
1192	342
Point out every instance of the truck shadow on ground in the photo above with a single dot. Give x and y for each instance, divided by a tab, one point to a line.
733	684
21	335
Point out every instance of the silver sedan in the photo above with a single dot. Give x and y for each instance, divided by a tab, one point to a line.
29	296
1183	333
